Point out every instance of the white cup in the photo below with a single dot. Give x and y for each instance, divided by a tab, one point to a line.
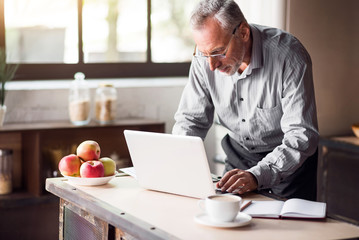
221	207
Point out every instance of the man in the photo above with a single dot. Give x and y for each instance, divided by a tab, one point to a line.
258	80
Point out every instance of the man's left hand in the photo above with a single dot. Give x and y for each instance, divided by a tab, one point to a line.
237	181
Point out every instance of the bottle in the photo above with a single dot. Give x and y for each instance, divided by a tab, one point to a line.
79	100
5	171
105	106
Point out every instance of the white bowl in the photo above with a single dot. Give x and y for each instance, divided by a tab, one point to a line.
89	181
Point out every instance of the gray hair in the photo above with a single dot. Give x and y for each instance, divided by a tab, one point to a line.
227	13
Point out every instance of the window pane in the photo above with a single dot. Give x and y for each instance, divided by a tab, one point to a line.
171	34
115	31
264	12
41	31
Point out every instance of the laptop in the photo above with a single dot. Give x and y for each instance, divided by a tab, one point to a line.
170	163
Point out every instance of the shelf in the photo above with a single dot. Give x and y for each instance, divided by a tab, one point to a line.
350	143
23	199
38	147
338	163
10	127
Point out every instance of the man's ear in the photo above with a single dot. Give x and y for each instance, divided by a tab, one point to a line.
244	31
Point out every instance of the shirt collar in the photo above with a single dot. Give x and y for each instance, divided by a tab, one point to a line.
256	57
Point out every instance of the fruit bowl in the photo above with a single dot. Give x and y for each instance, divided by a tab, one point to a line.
355	128
89	181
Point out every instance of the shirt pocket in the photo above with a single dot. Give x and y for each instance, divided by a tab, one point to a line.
267	120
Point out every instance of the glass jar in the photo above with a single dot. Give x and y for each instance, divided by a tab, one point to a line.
79	100
5	171
105	101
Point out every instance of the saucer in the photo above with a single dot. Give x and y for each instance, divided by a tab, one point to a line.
242	219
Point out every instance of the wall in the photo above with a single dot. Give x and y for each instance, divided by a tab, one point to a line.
48	100
155	98
329	29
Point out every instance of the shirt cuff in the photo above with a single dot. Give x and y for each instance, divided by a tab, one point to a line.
263	174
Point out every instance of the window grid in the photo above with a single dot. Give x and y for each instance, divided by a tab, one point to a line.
95	70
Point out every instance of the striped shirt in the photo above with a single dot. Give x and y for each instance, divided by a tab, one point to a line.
269	107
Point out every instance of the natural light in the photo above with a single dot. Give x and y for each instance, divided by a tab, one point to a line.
42	31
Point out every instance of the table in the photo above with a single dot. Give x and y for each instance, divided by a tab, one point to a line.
37	149
122	209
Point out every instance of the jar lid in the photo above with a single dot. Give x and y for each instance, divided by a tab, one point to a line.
105	84
5	152
79	76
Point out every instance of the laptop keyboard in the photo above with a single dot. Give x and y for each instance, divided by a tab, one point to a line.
215	178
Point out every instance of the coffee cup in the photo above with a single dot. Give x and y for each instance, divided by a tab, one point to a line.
221	207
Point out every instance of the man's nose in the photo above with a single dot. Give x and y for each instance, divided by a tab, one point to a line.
213	63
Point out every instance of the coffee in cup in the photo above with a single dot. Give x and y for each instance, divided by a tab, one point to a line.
221	208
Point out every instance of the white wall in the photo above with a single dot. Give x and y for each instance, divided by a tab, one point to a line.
158	98
48	100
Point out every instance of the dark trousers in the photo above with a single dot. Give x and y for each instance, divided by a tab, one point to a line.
301	184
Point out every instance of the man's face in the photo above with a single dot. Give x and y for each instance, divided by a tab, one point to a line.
212	39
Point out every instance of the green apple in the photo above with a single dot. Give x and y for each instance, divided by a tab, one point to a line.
109	165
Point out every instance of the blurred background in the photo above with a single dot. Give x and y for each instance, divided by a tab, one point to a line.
144	49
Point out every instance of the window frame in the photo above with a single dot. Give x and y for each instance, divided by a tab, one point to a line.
44	71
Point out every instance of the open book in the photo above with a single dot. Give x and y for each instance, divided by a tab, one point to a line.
292	208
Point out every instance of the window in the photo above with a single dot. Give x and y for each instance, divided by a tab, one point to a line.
53	39
265	12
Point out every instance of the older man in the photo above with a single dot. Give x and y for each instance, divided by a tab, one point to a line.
258	80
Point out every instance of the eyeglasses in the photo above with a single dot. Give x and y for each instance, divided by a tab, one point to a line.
220	55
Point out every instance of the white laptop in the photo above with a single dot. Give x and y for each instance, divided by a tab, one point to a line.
170	163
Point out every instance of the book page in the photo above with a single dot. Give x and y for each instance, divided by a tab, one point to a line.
303	209
269	209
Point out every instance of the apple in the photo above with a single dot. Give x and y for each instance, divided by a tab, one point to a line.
109	165
92	169
88	150
70	165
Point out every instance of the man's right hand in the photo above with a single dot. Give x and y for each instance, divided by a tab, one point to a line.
237	181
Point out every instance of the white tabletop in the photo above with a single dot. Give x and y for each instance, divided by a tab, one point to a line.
175	214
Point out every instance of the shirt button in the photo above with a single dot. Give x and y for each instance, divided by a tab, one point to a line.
241	99
243	120
247	138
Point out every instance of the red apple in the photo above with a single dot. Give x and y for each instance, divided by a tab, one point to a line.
88	150
109	165
92	169
70	165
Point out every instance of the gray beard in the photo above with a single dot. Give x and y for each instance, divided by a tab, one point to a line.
236	67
